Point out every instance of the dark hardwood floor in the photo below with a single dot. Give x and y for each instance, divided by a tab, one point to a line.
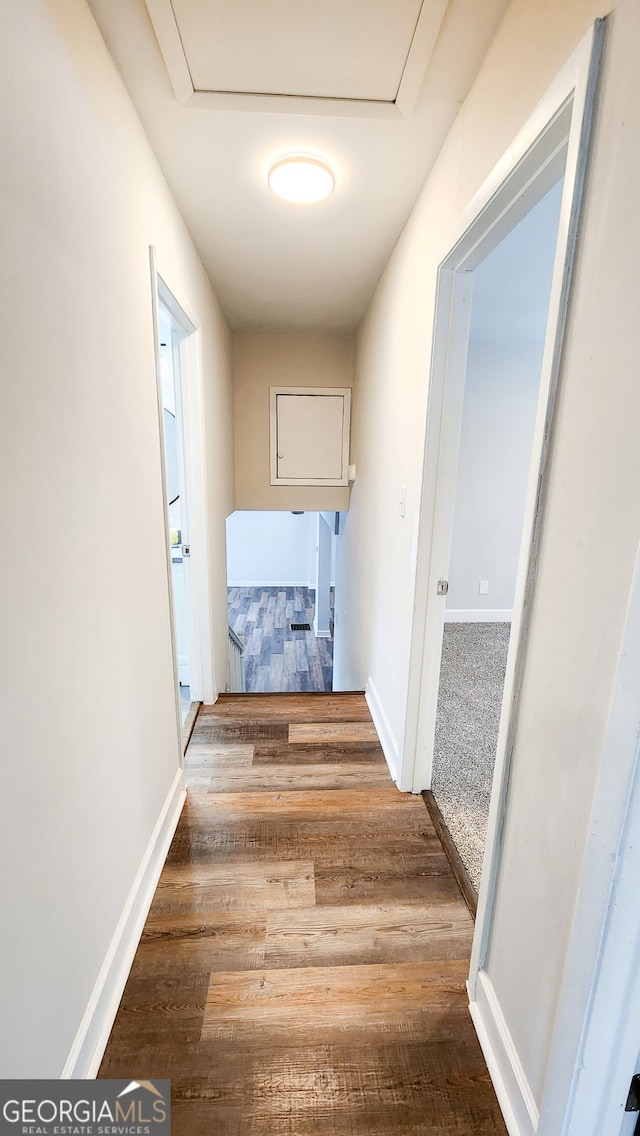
302	968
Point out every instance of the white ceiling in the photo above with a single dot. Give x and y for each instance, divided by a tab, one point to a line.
273	264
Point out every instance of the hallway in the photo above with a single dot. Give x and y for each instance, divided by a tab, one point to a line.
302	967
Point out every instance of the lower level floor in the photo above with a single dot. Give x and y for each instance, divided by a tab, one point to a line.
281	651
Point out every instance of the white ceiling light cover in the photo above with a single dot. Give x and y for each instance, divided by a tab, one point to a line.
301	179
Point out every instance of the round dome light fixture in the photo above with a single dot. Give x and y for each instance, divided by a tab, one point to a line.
301	179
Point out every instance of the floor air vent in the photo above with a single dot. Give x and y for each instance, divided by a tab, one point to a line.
301	627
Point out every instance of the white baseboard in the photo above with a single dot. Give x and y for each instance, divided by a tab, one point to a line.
478	615
384	731
521	1114
268	584
91	1039
274	584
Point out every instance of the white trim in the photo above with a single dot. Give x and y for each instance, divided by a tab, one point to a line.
532	165
91	1039
383	729
290	104
190	400
418	57
269	584
190	460
155	303
478	615
424	40
166	28
446	400
192	382
274	584
322	578
509	1081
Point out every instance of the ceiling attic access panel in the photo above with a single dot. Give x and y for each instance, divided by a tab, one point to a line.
309	435
365	58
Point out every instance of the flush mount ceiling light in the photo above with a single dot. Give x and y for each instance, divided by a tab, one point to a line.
301	180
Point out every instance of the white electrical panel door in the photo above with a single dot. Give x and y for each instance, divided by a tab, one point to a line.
309	436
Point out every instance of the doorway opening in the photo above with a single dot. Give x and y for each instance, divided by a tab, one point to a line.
180	418
176	503
552	146
507	330
280	589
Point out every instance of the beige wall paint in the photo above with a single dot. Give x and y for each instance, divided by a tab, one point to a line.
87	700
262	359
592	524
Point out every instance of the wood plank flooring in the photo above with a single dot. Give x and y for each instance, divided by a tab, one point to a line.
302	968
275	657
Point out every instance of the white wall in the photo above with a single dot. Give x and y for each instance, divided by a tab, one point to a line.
87	697
262	359
267	549
271	548
508	323
592	521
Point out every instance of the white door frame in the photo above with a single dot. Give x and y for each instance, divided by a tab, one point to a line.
554	140
174	333
181	331
187	360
